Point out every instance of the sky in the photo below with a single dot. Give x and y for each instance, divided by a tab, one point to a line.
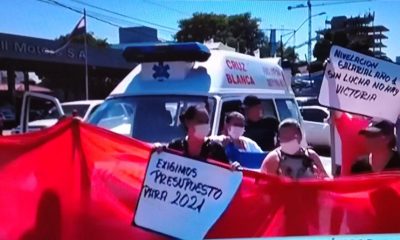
38	18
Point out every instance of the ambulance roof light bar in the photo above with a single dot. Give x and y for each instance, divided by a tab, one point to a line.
167	52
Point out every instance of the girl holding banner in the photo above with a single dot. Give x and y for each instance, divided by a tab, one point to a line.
196	145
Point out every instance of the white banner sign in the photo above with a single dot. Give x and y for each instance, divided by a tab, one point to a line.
357	83
182	197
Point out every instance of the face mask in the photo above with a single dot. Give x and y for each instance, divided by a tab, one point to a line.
235	132
201	131
290	147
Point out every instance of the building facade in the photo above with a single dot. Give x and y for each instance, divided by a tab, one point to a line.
361	29
28	64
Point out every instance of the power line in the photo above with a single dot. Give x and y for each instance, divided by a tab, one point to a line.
123	15
337	3
110	18
240	0
115	19
166	7
55	3
93	15
328	3
230	1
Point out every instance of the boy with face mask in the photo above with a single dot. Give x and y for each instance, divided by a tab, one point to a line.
290	159
234	129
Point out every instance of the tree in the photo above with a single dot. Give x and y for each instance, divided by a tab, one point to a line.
203	27
361	44
340	38
90	38
245	32
289	53
322	49
239	31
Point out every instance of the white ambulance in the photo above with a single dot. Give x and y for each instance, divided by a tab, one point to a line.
170	77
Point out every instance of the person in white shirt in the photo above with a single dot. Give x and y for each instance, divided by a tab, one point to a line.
233	131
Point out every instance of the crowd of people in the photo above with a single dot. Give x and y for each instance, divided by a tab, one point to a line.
370	144
250	131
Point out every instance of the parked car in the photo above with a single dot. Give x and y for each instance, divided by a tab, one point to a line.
307	101
83	110
316	125
8	113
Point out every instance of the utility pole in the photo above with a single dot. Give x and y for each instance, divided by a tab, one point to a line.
309	5
292	31
281	48
309	31
86	59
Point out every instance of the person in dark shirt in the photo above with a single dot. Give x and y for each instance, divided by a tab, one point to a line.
261	130
196	145
381	141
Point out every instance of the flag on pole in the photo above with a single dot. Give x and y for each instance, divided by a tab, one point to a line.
78	30
82	26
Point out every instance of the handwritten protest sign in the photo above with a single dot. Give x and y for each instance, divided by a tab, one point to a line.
182	197
357	83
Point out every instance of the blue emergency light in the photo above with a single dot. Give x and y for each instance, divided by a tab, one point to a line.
167	52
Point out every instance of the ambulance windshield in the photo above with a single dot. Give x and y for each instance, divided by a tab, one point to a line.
147	118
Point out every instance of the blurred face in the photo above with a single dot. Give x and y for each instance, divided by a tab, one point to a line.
288	134
236	122
254	113
235	127
376	142
290	139
199	126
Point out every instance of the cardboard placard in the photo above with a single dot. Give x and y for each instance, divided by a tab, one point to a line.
182	197
360	84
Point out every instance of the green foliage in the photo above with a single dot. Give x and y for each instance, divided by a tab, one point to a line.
239	31
91	40
289	53
360	44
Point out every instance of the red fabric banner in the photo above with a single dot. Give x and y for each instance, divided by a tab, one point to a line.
76	181
352	143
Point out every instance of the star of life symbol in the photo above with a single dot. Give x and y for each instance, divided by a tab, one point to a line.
161	71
